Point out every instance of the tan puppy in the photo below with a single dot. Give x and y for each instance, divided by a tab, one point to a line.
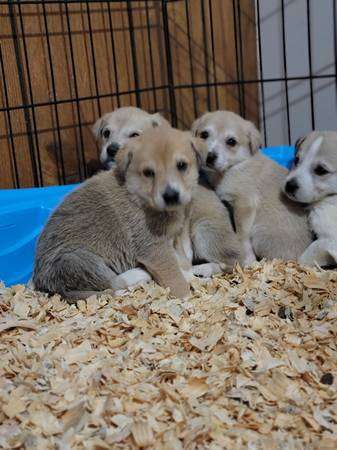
267	222
113	130
213	237
313	181
124	219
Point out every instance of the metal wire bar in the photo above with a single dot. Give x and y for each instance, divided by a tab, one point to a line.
242	68
113	55
238	74
170	79
81	156
36	166
133	52
187	14
286	79
310	67
61	173
261	72
210	8
93	58
148	29
334	12
166	86
204	32
14	166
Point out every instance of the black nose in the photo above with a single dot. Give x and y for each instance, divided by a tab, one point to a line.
291	186
211	159
112	149
171	196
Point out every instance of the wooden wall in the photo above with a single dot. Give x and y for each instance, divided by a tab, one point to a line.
64	64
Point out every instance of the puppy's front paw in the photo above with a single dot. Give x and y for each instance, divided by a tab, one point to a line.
131	277
206	270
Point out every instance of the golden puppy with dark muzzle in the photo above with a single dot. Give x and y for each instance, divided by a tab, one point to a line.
313	181
268	224
122	221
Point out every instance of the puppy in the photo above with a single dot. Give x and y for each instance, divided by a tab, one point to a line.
313	181
213	238
115	129
268	224
123	220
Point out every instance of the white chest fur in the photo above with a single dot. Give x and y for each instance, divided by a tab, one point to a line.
323	222
323	218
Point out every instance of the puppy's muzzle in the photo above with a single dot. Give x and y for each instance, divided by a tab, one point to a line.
112	149
171	196
211	158
291	186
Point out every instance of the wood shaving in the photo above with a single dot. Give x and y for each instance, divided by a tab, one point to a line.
248	361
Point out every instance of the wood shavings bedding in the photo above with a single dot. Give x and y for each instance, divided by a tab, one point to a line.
249	361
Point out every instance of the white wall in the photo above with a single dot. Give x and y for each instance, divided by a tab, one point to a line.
323	62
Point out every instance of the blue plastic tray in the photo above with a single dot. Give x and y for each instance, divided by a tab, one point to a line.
23	213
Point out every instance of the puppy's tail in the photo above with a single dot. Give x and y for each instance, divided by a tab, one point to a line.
74	296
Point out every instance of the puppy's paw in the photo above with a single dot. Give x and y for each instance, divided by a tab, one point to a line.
131	278
206	270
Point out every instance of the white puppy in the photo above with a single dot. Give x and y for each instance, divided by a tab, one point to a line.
268	224
313	180
113	130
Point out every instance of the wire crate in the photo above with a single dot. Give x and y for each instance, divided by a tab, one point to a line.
64	63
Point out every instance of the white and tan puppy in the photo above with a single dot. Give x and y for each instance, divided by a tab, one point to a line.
113	130
267	222
313	181
210	228
123	220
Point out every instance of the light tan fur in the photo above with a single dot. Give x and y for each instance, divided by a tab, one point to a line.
116	128
213	238
269	224
313	180
117	221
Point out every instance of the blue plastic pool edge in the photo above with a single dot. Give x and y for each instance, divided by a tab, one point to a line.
23	213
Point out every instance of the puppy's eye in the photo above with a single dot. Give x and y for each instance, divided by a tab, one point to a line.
148	173
296	161
204	135
181	166
231	142
320	170
134	134
106	134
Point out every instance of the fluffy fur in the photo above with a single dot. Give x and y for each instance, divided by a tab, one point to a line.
123	220
211	231
268	224
113	130
313	180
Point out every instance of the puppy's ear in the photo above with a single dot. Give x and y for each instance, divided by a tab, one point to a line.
254	136
298	143
123	160
200	150
97	127
158	120
196	124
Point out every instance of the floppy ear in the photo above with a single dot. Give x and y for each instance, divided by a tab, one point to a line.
123	160
159	120
298	143
200	150
254	136
97	127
